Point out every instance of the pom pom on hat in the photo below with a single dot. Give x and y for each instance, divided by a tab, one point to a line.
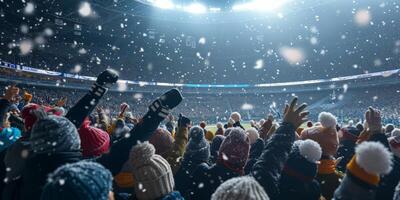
310	150
219	125
253	135
374	158
142	153
244	187
327	120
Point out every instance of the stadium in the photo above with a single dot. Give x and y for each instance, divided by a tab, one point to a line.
239	99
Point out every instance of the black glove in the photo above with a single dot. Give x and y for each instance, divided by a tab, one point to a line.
166	102
183	121
107	78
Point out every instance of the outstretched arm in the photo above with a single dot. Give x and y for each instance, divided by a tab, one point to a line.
87	103
268	168
157	112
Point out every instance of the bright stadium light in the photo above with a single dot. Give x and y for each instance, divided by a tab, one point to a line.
259	5
195	8
85	9
164	4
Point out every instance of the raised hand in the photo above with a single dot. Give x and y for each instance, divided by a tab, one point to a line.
107	77
183	121
294	116
373	117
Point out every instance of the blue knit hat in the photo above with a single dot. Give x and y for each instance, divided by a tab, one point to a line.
54	134
8	136
198	147
83	180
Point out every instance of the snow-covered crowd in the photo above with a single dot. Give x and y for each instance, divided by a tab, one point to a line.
54	151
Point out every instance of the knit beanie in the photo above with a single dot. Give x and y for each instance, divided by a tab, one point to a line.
209	135
394	144
302	160
83	180
152	173
28	115
54	134
236	117
162	140
227	131
94	141
197	148
220	125
215	145
244	187
8	136
253	135
234	150
371	160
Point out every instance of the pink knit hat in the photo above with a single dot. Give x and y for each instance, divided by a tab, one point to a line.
94	141
234	150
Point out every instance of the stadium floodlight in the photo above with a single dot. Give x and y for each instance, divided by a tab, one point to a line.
195	8
259	5
214	9
164	4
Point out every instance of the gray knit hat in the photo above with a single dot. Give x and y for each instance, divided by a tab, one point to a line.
244	187
152	173
54	134
79	181
198	148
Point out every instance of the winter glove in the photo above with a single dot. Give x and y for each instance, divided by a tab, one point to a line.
104	81
183	121
166	102
107	77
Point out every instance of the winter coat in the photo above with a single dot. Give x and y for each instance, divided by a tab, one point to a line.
293	188
268	168
174	156
255	152
353	188
38	167
346	147
206	180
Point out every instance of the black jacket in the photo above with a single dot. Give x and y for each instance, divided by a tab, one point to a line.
268	168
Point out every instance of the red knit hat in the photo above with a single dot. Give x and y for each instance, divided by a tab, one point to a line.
203	124
30	118
234	150
162	140
94	141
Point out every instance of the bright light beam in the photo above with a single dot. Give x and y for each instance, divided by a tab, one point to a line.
259	5
164	4
195	8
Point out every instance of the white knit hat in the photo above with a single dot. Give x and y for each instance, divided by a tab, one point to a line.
253	135
328	120
244	187
236	116
152	173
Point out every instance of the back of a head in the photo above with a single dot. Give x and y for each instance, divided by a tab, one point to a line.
152	173
52	134
162	141
197	148
236	117
234	150
79	181
244	187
